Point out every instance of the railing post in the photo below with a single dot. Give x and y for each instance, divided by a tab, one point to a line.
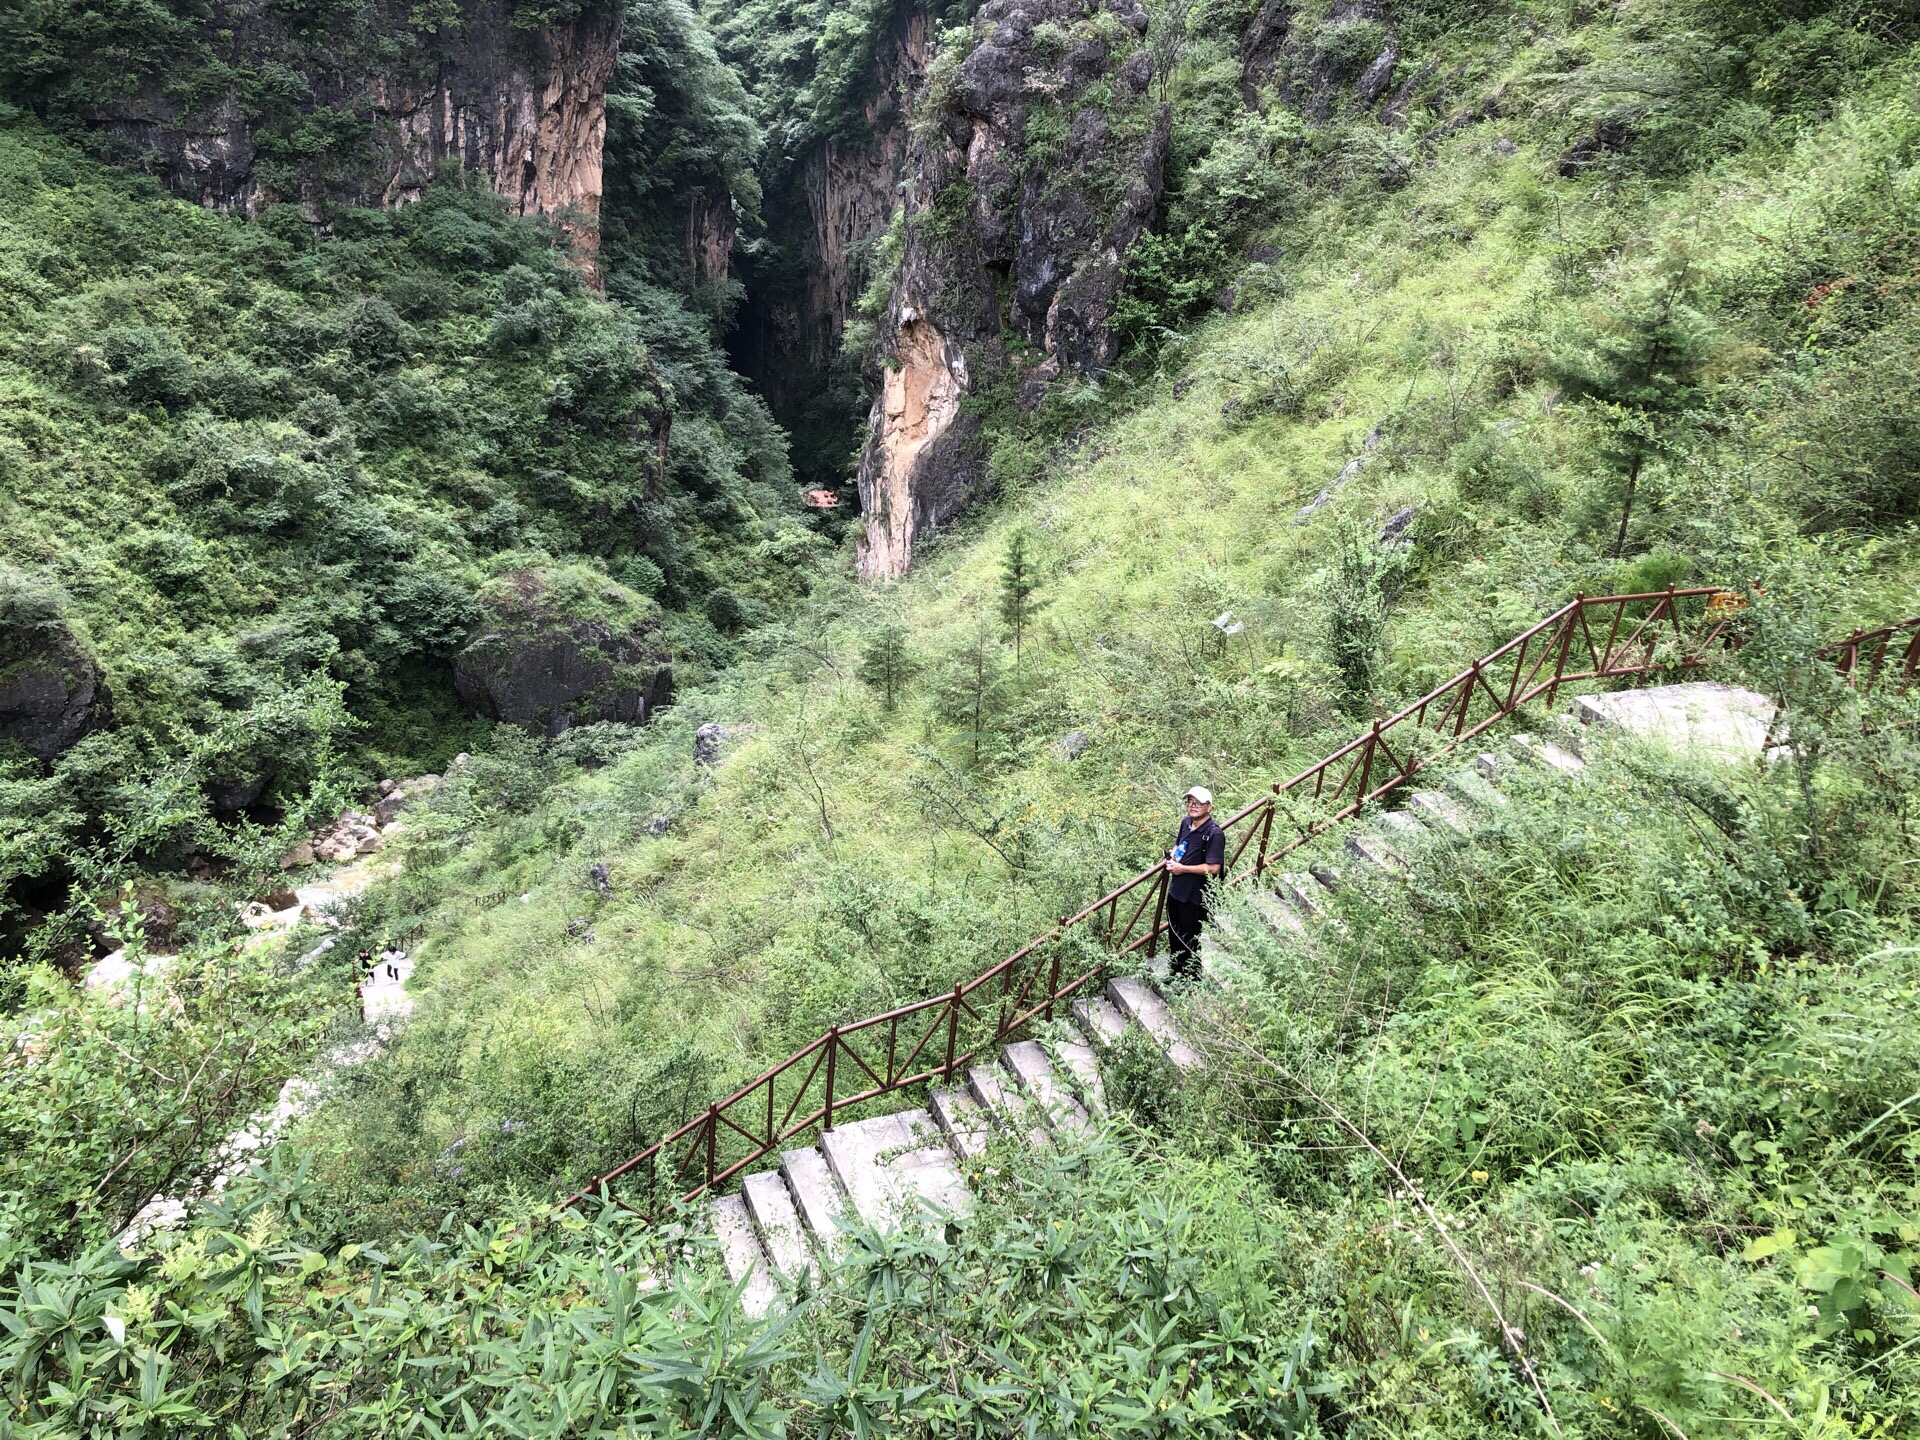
1366	764
1266	832
1566	641
1159	908
833	1044
953	1028
713	1137
1053	980
1466	703
770	1140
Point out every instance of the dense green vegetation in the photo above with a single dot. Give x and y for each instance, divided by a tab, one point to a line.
1635	1065
265	476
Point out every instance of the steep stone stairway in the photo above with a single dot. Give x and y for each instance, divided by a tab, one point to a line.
1710	720
889	1170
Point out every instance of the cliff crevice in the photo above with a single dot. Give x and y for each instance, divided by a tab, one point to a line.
1030	174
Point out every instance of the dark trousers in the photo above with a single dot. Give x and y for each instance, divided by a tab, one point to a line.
1184	919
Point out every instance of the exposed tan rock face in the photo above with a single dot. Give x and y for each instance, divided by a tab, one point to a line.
1015	247
527	109
530	117
919	399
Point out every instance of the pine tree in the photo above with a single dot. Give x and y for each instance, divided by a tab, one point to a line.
1640	372
1019	580
885	663
971	687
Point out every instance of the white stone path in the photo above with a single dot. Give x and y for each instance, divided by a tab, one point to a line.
383	1001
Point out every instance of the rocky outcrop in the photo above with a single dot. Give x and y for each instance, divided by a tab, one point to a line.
533	664
526	108
51	690
1030	176
1345	60
916	471
710	234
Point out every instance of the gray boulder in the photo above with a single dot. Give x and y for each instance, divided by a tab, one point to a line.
51	691
531	664
707	741
1393	535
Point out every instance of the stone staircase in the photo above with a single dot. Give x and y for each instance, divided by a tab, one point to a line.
887	1170
1702	718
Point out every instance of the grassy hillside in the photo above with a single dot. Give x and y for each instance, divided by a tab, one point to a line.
845	858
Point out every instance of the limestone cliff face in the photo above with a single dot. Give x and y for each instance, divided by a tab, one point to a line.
526	108
853	189
1029	177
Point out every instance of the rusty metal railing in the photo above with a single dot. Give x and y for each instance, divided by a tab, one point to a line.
1607	637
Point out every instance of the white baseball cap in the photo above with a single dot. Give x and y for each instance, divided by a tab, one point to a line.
1200	793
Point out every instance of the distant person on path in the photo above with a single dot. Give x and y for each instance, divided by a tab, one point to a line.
1199	854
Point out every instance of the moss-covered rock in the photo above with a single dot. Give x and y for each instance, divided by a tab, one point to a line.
564	647
52	690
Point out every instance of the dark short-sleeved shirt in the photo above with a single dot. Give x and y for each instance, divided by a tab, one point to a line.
1206	845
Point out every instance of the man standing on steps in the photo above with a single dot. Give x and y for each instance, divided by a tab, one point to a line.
1199	854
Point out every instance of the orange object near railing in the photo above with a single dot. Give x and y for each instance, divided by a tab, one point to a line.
937	1038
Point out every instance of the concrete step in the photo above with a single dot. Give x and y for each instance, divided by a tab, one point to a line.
1549	754
1328	876
887	1162
1373	851
1099	1019
1488	766
963	1118
782	1234
1146	1009
817	1196
1476	788
1004	1103
1307	894
1283	917
1035	1074
1404	827
1216	960
1700	716
853	1150
923	1169
745	1260
1074	1054
1438	811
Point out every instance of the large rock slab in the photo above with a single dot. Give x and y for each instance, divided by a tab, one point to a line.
1702	717
51	691
533	663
